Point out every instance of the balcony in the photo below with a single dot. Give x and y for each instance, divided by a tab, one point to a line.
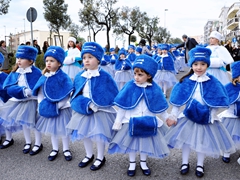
232	23
232	11
233	34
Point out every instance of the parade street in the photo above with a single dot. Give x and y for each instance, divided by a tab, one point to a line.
18	166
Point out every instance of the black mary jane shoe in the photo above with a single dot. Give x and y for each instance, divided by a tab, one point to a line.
84	164
226	159
10	143
131	173
199	173
26	150
186	170
69	157
32	153
102	162
146	172
51	158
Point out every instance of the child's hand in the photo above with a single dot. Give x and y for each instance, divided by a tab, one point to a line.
28	92
117	126
170	122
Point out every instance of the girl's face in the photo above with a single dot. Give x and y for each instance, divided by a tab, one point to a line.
24	63
122	56
140	76
164	51
71	43
90	61
52	64
159	51
213	41
130	50
199	67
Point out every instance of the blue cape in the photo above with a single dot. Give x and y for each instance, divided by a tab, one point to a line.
126	64
213	92
3	92
233	92
131	94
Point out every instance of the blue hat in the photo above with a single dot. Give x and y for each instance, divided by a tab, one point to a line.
94	49
27	52
122	51
131	46
235	67
164	47
146	63
112	49
176	53
199	53
139	49
56	52
1	58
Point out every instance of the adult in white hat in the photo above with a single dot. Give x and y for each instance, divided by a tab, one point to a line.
219	58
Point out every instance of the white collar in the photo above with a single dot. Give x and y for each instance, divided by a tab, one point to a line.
201	78
90	73
164	55
24	71
48	74
143	84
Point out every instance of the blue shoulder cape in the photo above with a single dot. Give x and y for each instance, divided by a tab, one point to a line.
131	94
56	87
126	64
213	92
233	92
103	88
3	92
132	57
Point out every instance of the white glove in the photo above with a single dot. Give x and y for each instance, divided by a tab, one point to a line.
68	60
117	126
28	92
93	107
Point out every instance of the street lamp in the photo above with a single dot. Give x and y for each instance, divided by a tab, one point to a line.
24	31
5	32
165	17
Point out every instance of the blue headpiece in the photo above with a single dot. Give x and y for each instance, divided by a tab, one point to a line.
146	63
164	47
94	49
112	49
139	49
199	53
27	52
56	52
131	46
235	67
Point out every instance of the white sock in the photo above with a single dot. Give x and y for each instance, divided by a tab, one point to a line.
8	137
65	142
54	140
200	160
132	158
88	145
238	161
227	155
27	135
185	154
38	137
164	88
100	149
143	161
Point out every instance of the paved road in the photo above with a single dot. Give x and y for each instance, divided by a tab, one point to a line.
17	166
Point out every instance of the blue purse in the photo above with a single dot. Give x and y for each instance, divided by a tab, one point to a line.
48	109
197	112
144	126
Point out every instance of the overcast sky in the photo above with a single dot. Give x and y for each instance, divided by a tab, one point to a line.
182	16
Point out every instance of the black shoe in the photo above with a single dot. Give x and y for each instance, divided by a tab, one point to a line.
26	150
131	173
51	158
84	164
102	162
7	145
69	157
226	159
146	172
32	153
199	173
186	170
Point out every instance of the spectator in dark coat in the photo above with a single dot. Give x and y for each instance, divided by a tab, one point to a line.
188	44
236	53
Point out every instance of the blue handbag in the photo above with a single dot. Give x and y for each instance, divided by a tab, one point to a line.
197	112
144	126
48	109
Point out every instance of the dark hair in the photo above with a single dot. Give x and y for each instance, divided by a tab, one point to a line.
1	42
28	43
142	42
190	72
184	36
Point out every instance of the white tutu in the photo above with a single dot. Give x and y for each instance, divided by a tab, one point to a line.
221	75
71	70
167	77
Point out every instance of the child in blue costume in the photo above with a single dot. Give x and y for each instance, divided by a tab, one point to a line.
131	53
53	91
165	76
92	104
198	128
3	94
105	62
140	98
123	69
113	58
20	111
72	63
231	116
